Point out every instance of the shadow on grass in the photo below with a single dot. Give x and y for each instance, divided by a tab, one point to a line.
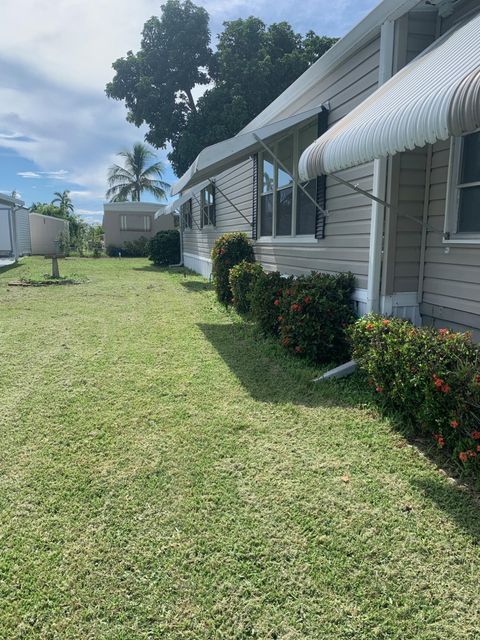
270	374
8	267
196	286
460	503
150	267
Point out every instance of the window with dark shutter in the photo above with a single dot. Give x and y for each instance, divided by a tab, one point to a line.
207	200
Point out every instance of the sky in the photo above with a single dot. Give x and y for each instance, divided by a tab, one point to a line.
58	130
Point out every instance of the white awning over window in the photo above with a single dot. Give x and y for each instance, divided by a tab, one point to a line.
435	96
175	205
224	155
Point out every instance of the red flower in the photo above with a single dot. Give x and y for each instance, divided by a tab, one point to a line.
386	322
295	307
453	424
476	435
445	388
369	326
280	318
463	456
478	448
379	389
477	379
440	440
276	302
471	454
443	332
307	299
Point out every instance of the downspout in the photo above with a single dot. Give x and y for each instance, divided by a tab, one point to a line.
13	232
380	173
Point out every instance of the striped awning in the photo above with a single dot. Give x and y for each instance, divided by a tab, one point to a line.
435	96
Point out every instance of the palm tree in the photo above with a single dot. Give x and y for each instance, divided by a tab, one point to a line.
135	177
64	203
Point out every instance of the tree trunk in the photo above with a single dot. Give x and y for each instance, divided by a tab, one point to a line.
191	101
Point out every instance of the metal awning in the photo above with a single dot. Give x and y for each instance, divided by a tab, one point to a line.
175	205
224	155
435	96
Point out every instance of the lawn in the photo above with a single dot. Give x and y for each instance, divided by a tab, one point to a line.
167	474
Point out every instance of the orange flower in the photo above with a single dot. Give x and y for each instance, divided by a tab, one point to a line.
369	326
463	456
443	332
440	440
296	307
453	424
386	322
286	341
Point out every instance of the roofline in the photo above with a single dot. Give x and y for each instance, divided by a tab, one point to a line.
36	213
386	11
9	200
132	207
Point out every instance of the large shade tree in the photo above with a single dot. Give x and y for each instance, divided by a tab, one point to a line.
253	63
137	175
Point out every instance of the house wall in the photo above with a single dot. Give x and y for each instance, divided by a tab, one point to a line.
5	232
45	232
347	231
115	236
22	229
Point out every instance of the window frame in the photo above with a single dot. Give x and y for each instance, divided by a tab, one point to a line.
210	188
452	202
144	227
187	218
293	237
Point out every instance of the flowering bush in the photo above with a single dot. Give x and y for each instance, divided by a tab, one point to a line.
267	291
430	377
314	312
229	250
241	282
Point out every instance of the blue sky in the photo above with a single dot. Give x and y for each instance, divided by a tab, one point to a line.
58	130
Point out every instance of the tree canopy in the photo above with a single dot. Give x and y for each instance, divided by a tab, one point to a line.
252	64
136	176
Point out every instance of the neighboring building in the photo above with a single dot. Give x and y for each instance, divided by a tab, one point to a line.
395	108
14	230
46	233
127	221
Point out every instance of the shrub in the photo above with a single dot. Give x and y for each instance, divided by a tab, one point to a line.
267	291
228	251
164	247
131	249
241	280
428	377
315	311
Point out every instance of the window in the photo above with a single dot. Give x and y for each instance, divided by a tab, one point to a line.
207	201
135	222
462	216
285	210
186	214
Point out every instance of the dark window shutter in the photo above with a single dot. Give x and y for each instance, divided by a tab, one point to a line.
320	220
255	197
213	209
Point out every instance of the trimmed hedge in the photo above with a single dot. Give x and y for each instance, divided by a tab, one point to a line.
164	247
267	290
131	249
315	311
428	377
241	278
229	250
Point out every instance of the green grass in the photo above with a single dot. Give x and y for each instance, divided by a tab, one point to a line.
164	473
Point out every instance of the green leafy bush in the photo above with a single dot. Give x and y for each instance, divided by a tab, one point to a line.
267	291
314	313
164	247
229	250
131	249
429	377
241	280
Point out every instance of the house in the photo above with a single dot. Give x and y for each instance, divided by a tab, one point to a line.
127	221
14	230
369	162
46	233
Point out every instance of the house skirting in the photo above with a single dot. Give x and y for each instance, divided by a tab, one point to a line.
199	264
401	305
